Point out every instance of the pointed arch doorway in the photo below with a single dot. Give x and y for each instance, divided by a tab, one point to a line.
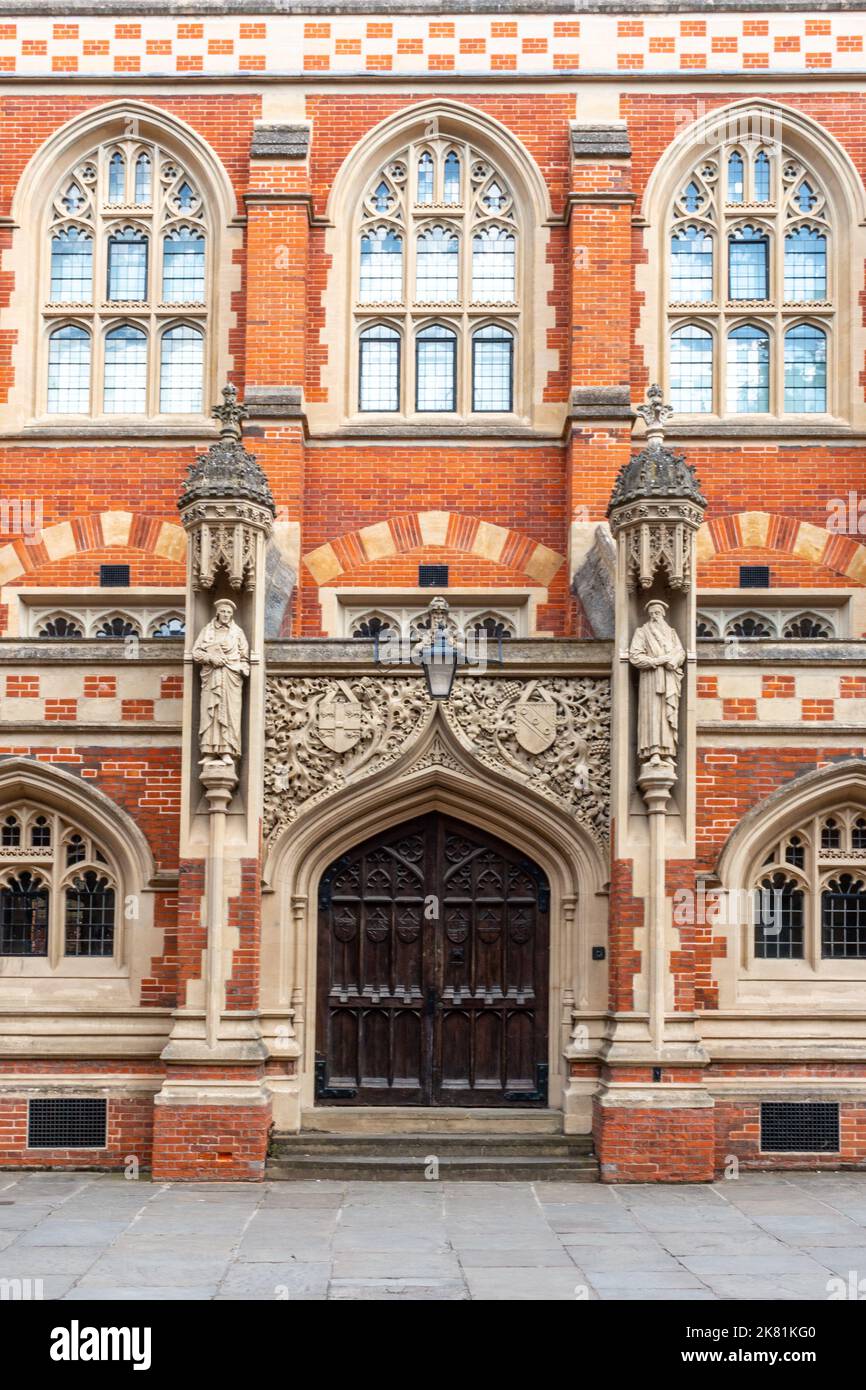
433	971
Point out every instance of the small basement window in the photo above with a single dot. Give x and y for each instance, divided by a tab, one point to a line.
67	1124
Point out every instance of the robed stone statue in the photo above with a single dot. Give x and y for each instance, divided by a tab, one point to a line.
222	651
658	654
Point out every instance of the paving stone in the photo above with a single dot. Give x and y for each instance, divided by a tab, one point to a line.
396	1264
391	1290
37	1261
54	1231
277	1282
530	1285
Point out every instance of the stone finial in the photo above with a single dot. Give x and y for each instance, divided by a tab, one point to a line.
655	415
227	471
230	412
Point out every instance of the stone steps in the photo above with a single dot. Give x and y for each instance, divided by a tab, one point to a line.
466	1157
419	1119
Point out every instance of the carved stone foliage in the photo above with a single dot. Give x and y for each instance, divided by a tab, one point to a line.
553	735
321	733
324	732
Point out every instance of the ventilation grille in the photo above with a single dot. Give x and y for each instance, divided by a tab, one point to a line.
754	576
114	576
433	576
67	1124
800	1127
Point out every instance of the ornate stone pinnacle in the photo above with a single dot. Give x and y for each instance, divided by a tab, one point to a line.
655	414
230	413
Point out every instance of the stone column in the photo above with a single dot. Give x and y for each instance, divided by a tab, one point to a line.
213	1111
653	1113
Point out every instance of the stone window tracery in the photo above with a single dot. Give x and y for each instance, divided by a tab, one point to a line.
59	888
125	306
750	285
810	891
437	285
790	624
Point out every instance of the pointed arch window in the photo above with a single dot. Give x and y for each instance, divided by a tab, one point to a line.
125	371
810	891
127	234
69	371
805	369
436	369
180	370
59	889
379	375
492	368
748	370
692	370
437	226
750	237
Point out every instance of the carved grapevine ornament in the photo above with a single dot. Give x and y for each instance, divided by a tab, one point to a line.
323	733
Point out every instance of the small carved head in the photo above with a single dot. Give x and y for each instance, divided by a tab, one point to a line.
224	611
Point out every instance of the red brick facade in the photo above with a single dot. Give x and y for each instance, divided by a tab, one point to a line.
274	329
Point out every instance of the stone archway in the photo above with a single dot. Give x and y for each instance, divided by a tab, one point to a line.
437	775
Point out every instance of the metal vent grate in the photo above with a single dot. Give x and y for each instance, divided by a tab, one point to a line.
433	576
800	1127
114	576
754	576
67	1124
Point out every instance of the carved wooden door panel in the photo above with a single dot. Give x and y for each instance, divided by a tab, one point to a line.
433	971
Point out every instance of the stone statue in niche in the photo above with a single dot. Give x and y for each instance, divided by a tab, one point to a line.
222	652
656	651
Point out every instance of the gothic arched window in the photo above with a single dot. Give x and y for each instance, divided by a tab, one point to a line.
437	251
749	285
810	891
59	888
127	250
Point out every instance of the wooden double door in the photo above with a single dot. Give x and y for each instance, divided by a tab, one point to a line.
433	967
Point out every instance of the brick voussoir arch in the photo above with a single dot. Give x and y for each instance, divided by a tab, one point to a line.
102	530
418	530
787	535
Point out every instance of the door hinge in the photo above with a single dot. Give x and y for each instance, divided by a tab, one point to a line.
326	1092
540	1092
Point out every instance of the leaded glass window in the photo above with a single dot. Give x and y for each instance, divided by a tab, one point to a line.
748	371
691	390
749	239
691	265
380	369
437	226
59	889
492	368
436	369
71	266
125	391
805	369
69	371
127	232
181	365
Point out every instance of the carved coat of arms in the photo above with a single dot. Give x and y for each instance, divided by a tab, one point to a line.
535	724
338	722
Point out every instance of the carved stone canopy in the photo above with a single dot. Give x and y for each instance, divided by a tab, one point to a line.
227	471
655	472
656	506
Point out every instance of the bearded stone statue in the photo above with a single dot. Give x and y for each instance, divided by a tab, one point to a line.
658	654
222	652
